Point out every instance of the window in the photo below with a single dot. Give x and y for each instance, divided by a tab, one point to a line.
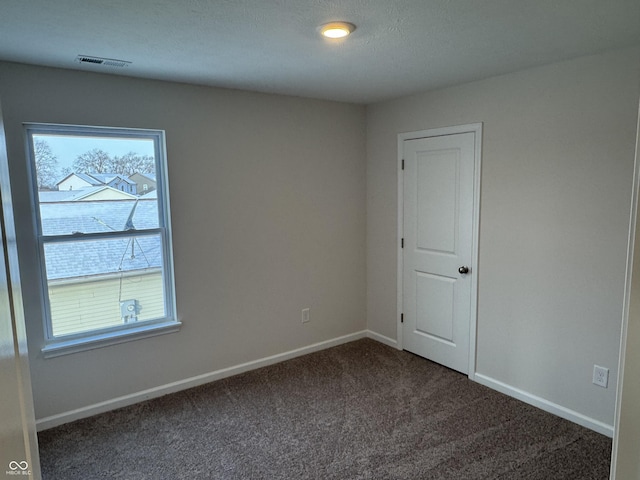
105	253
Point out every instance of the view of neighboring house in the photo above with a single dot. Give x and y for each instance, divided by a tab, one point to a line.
106	282
145	182
102	283
77	181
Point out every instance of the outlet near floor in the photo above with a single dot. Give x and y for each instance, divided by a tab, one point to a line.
305	315
600	376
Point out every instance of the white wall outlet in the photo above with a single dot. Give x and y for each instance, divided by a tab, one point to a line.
305	315
600	376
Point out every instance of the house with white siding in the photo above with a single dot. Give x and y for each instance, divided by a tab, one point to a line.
79	181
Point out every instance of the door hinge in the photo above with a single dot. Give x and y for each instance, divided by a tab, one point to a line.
402	243
402	318
403	164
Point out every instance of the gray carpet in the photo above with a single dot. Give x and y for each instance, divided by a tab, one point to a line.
356	411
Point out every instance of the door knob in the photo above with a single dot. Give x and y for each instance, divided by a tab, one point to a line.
463	270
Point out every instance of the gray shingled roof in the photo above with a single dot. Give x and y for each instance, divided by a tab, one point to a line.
66	195
73	195
99	257
65	218
86	178
108	177
150	176
151	194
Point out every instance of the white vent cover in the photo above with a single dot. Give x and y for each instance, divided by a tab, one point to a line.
105	62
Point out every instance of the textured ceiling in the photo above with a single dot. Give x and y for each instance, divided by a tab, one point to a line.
399	47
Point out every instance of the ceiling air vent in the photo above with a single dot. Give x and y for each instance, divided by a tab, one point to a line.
105	62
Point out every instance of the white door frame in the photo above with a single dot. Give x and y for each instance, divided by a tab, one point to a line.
475	128
633	246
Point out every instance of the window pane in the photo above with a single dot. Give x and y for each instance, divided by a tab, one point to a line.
89	183
95	284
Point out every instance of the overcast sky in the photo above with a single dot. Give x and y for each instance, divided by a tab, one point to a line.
67	148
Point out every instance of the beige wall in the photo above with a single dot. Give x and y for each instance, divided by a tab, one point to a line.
268	211
558	147
268	208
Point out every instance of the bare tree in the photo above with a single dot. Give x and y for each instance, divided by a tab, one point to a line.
147	165
131	163
93	161
46	164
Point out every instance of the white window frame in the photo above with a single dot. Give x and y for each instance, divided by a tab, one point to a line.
97	338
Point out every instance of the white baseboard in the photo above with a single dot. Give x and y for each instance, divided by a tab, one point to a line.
545	405
382	339
108	405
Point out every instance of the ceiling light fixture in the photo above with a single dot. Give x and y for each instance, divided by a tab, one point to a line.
337	29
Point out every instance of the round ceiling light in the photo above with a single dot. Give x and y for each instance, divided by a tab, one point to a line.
337	29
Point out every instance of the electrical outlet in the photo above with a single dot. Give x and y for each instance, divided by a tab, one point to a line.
600	376
305	315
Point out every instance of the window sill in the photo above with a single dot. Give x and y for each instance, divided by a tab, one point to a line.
91	342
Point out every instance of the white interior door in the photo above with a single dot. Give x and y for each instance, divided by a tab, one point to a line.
438	247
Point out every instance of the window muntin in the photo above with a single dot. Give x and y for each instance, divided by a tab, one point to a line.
105	252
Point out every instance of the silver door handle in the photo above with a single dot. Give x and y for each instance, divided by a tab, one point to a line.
463	270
